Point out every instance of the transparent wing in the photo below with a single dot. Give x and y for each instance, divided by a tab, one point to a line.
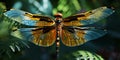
75	36
87	18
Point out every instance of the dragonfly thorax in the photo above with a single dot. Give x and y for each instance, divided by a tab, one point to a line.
58	18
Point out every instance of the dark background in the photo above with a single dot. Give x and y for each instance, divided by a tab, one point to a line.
107	46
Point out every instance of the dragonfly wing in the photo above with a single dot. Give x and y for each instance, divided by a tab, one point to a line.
89	17
28	18
70	37
42	36
92	34
75	36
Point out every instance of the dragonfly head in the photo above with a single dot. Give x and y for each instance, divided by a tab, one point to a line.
58	16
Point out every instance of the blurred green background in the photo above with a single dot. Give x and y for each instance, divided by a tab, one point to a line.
106	47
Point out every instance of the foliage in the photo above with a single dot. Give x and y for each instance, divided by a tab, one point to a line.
67	8
9	44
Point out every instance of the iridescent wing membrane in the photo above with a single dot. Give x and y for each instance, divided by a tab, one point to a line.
73	31
76	31
89	17
44	35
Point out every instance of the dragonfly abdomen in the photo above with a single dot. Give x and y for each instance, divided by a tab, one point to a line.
58	21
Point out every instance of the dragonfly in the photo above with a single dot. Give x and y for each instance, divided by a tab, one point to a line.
73	31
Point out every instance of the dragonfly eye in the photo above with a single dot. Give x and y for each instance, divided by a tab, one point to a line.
58	21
